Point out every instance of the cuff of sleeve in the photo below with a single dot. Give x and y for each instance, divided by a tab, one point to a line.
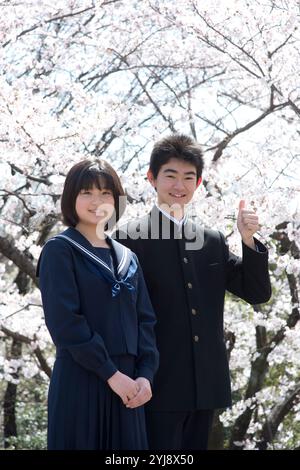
107	370
146	373
259	247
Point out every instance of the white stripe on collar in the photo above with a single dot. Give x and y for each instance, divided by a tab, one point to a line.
121	265
123	259
89	253
179	223
125	253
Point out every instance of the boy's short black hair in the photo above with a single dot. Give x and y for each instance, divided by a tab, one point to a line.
178	146
85	175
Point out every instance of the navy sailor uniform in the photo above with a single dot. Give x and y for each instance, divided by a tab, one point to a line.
101	320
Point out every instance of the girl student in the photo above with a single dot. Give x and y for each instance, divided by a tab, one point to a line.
101	321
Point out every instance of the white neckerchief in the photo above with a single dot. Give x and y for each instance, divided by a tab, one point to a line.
179	223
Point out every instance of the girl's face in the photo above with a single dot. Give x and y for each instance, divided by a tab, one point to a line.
95	206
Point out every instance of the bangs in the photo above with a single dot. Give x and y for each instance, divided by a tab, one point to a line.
94	177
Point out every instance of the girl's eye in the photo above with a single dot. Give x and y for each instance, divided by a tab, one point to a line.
85	192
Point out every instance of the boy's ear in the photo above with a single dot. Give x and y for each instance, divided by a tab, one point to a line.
199	181
151	178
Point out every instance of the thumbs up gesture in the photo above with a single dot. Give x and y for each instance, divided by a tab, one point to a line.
247	223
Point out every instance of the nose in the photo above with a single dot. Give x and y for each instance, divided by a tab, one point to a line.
179	184
97	199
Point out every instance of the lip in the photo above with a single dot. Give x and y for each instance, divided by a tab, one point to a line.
178	196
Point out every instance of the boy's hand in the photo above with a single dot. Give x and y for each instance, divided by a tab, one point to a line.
248	224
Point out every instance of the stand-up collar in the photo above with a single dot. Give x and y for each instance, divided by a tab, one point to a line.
179	223
161	226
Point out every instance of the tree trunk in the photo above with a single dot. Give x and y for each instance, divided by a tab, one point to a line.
259	369
10	397
216	439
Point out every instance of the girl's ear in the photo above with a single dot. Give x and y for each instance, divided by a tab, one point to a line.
199	181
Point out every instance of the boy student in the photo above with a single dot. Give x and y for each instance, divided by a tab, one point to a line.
187	270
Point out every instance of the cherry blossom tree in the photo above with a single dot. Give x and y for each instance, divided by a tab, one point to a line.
105	79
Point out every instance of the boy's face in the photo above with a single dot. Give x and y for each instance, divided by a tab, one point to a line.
176	182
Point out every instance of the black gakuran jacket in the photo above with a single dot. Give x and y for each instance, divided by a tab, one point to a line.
187	283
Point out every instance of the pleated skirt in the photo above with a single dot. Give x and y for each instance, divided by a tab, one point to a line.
85	414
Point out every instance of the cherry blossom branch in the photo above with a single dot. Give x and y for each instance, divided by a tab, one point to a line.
190	111
229	40
29	341
225	142
30	177
168	120
277	415
31	212
50	20
265	345
10	251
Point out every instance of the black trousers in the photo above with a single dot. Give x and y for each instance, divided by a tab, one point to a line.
176	430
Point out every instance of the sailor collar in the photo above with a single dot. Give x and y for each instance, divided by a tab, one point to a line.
78	241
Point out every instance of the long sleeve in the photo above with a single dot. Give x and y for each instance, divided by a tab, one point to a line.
248	277
61	302
148	356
